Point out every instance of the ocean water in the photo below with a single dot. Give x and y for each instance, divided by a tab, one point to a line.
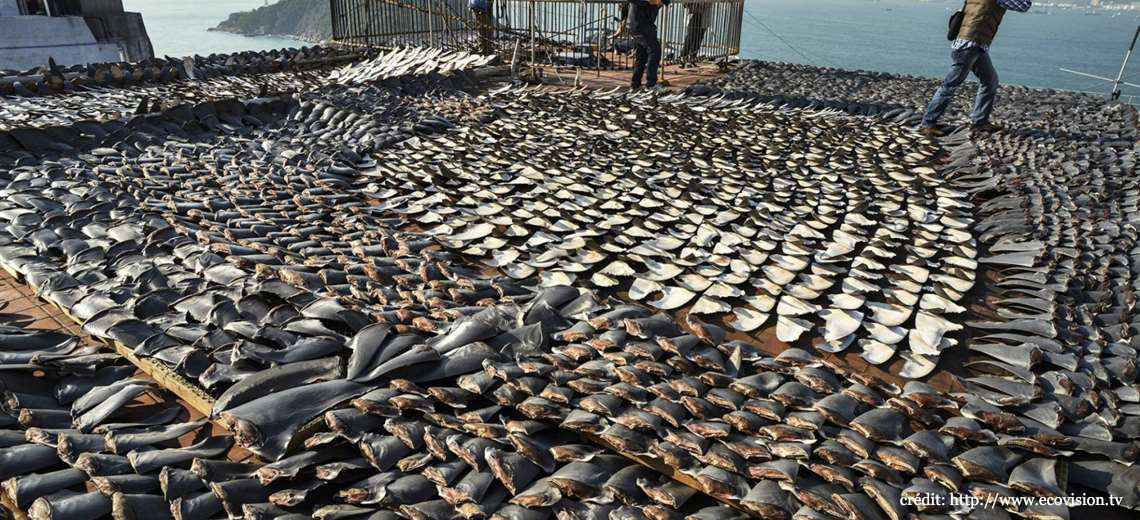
909	37
180	27
899	36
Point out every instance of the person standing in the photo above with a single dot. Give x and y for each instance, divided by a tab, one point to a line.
484	25
695	30
646	46
970	53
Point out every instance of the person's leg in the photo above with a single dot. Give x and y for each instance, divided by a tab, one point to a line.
702	28
987	91
641	55
486	32
963	61
700	40
654	48
689	50
478	28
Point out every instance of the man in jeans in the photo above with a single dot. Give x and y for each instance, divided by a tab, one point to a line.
646	46
484	25
970	52
698	25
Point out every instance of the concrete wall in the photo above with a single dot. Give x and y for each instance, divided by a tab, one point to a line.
85	7
125	29
28	41
101	6
103	33
9	8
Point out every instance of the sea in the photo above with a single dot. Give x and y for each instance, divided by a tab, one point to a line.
897	36
181	27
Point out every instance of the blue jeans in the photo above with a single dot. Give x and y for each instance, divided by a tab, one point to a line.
647	54
966	60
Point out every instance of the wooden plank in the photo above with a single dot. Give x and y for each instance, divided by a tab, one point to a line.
193	396
487	72
190	393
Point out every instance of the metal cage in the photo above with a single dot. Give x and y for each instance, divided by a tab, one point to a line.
561	33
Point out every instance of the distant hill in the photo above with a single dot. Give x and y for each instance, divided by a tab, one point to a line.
308	20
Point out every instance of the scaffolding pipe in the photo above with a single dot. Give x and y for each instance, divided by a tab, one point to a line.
431	24
562	33
1127	56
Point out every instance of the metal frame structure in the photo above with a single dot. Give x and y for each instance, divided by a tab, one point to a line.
562	33
1116	83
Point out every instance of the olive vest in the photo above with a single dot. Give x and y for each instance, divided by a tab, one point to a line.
981	21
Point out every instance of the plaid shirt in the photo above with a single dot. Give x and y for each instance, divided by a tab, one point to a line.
1020	6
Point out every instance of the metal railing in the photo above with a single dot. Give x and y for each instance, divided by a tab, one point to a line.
564	33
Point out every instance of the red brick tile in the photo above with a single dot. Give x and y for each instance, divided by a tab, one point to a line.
44	324
19	305
10	295
35	313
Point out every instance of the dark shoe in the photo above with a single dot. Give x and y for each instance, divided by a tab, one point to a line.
985	127
932	131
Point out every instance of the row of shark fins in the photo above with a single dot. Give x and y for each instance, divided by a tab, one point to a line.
54	79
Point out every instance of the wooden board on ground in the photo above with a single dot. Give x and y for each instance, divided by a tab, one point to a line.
189	393
673	77
193	396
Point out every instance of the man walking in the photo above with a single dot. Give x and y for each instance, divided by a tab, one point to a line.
484	25
695	30
646	46
970	53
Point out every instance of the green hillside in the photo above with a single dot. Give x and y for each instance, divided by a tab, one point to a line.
305	19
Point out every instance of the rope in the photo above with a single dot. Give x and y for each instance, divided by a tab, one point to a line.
781	38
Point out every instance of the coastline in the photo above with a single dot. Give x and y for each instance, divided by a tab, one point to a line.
1027	55
306	39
